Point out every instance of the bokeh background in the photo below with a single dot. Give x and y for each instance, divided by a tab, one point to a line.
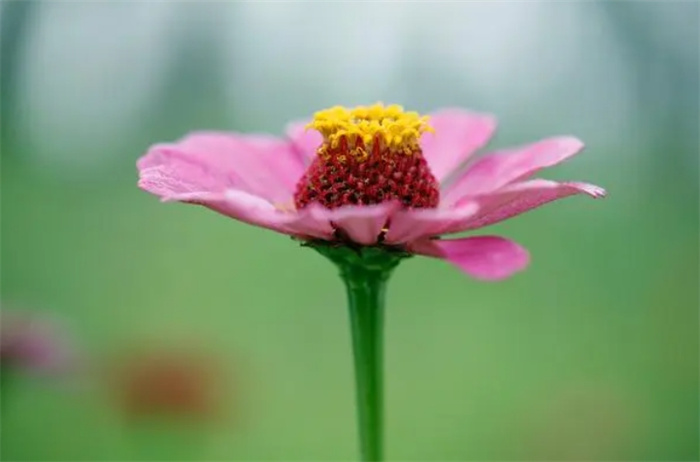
591	354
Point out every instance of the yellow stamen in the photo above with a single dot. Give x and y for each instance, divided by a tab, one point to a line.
399	131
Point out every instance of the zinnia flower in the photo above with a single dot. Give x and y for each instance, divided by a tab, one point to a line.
371	176
367	187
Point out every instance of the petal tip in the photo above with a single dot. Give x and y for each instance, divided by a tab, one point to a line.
596	192
599	193
485	258
504	266
145	183
519	262
141	163
569	143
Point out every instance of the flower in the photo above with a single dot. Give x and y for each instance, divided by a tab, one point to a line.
33	343
367	187
371	176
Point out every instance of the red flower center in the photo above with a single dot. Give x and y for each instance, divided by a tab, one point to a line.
369	156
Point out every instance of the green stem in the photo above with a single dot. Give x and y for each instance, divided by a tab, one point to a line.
365	272
366	304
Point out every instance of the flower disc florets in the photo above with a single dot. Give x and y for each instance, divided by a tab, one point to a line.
369	155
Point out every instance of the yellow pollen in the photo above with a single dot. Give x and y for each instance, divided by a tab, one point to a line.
397	130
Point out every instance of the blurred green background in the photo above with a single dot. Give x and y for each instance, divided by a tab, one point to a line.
591	354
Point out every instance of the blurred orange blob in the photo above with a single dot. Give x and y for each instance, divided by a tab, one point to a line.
168	383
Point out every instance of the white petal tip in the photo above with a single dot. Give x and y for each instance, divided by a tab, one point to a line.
596	192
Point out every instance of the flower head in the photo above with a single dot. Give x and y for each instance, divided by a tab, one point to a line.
371	176
368	156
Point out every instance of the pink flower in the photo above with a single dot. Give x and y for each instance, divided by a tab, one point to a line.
33	343
371	176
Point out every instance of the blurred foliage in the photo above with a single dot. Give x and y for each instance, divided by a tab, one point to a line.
589	355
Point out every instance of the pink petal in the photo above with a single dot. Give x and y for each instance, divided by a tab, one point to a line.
254	210
165	171
458	134
521	197
240	205
498	169
412	224
306	141
489	258
362	223
213	162
312	222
